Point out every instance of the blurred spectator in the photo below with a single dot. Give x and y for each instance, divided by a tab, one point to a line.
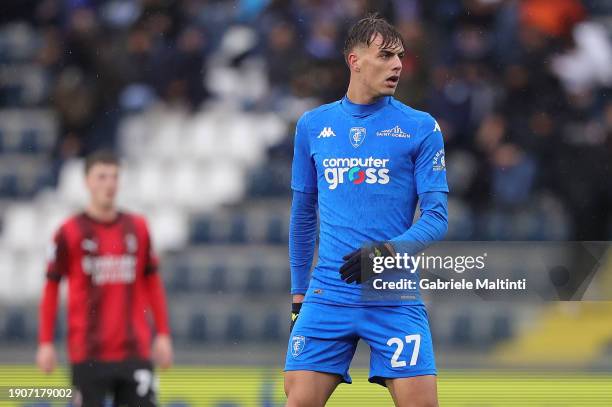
554	18
520	87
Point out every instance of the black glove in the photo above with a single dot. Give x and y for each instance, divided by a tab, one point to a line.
295	312
351	270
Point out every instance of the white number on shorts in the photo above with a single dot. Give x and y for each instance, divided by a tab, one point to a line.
144	378
400	347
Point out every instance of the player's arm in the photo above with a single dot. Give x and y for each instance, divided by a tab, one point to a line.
432	188
430	227
302	240
57	266
303	220
162	345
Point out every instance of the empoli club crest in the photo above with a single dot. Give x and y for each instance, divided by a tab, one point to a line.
297	345
357	135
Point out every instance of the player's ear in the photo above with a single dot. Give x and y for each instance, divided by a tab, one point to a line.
354	61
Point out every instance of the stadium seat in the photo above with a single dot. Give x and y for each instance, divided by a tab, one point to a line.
9	186
235	329
29	142
133	135
32	272
180	280
44	179
15	329
20	226
276	230
285	279
226	179
255	283
7	269
197	331
461	331
184	185
461	222
271	327
167	132
152	181
60	327
70	186
501	328
237	232
200	141
200	230
217	279
168	227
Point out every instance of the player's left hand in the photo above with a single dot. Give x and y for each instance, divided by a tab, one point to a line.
162	351
358	265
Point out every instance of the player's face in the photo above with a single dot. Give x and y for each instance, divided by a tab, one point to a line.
380	68
102	182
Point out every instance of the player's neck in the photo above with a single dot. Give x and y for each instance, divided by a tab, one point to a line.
360	96
101	214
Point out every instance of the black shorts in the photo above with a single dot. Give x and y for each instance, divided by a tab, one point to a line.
129	384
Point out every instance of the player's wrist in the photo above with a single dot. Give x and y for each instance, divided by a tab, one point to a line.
390	249
163	335
296	307
297	298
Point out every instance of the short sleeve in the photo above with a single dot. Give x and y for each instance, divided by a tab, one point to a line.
303	171
430	163
57	256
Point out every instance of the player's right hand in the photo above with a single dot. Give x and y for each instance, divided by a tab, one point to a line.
162	351
295	312
46	358
358	265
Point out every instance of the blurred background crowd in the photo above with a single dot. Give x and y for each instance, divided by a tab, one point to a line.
200	98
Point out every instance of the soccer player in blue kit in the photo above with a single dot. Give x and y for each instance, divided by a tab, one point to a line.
362	163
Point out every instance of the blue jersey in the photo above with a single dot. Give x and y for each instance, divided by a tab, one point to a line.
368	164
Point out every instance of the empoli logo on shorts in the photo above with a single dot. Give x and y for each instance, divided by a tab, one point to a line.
358	170
297	345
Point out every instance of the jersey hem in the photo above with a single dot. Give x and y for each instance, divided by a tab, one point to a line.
305	189
365	304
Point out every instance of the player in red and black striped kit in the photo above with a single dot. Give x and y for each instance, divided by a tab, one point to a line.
113	285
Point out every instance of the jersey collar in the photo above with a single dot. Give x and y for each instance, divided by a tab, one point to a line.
103	223
358	110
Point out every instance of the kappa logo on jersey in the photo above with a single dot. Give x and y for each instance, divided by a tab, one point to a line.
439	162
326	132
357	170
436	127
394	132
357	135
297	345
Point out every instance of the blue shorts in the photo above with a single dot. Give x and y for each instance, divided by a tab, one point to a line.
325	337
